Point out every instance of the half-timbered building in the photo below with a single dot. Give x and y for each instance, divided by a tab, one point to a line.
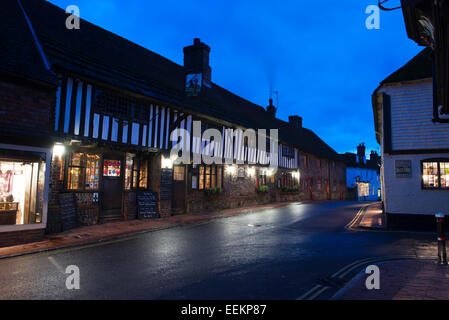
119	112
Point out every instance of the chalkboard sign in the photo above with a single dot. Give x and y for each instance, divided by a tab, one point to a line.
147	205
67	203
166	184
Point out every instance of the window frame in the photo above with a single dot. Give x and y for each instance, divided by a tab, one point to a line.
219	171
83	168
439	173
136	168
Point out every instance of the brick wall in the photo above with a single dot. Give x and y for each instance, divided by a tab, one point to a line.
26	106
18	237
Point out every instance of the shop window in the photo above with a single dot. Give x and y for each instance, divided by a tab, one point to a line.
136	173
128	172
83	171
92	171
178	173
75	176
435	174
143	174
21	191
207	177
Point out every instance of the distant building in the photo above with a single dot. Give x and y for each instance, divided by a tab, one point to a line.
415	147
362	175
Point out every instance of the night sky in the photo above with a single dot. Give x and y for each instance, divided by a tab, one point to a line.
320	57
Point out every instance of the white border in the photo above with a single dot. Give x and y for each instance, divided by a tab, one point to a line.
43	224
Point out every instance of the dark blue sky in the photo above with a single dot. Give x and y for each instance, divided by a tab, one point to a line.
320	57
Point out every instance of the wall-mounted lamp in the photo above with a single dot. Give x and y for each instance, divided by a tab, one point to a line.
58	150
295	175
230	169
166	163
251	172
269	173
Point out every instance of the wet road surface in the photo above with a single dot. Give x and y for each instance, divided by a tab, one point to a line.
270	254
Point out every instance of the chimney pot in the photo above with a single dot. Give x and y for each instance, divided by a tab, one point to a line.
271	109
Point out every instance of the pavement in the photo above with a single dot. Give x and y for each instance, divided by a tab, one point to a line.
401	280
408	279
115	230
373	218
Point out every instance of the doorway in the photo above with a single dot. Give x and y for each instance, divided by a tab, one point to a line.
179	189
111	204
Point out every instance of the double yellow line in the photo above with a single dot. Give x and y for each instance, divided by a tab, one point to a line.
357	217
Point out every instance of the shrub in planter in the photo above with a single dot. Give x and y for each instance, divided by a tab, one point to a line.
214	190
290	189
262	189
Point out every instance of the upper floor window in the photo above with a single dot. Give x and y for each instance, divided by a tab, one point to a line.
287	151
435	174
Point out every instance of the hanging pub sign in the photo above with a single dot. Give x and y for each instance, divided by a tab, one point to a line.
403	168
193	84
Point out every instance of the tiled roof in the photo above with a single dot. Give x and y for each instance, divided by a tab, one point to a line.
19	54
98	53
420	67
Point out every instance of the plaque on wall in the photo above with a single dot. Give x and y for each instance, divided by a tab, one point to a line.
403	168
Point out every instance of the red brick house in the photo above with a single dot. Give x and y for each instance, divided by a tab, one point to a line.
114	106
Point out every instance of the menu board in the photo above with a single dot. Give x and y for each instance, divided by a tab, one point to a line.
147	205
67	203
166	184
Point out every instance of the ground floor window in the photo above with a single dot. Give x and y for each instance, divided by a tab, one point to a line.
207	177
178	173
288	180
363	189
22	183
83	171
319	186
435	174
136	173
262	178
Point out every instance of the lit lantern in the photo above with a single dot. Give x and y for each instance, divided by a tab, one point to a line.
58	150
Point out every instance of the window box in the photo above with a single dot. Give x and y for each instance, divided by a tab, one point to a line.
290	189
213	191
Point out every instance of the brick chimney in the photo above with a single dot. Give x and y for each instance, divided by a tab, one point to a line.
295	121
361	149
271	109
196	60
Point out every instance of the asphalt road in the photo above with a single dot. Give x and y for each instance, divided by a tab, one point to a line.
271	254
